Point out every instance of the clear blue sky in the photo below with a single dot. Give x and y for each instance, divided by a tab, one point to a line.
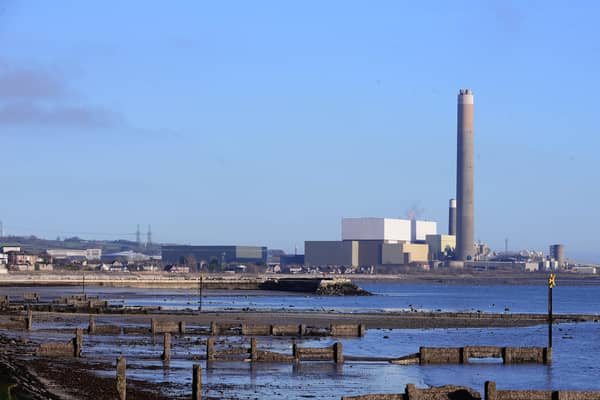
256	122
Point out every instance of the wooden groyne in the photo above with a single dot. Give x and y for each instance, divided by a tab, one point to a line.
463	355
452	392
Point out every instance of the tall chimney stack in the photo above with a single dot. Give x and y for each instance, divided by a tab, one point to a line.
452	218
465	214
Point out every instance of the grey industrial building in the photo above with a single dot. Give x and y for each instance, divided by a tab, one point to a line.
227	254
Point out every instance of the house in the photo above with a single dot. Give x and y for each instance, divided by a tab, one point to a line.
177	269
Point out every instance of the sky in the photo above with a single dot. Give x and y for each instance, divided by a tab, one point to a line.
266	122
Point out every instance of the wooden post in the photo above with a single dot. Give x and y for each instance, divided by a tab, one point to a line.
78	343
411	392
121	378
181	327
92	325
295	352
490	390
214	328
210	349
153	325
548	355
166	355
29	319
197	382
253	351
200	286
362	329
302	330
338	355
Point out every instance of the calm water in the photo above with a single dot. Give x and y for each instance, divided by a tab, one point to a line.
576	346
584	299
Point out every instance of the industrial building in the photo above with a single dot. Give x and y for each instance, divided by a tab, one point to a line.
441	247
557	252
420	230
221	254
373	241
88	254
382	229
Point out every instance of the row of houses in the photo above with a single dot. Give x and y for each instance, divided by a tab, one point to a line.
15	259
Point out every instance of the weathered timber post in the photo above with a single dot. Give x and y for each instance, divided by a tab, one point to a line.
490	390
411	392
181	327
78	342
200	286
214	328
271	330
166	355
295	352
253	351
29	319
338	355
153	325
302	330
210	349
121	378
197	382
362	329
463	357
92	325
548	355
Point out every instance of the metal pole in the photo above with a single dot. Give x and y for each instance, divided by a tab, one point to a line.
551	284
550	317
200	284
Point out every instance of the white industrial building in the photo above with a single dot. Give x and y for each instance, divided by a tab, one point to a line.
373	241
420	230
386	229
390	230
89	254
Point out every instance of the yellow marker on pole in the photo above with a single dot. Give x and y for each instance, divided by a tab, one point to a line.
552	281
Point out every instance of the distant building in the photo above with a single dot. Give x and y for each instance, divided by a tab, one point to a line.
381	229
585	269
324	253
129	256
441	247
16	259
9	249
362	253
88	254
420	230
503	265
219	254
177	269
557	252
286	260
373	241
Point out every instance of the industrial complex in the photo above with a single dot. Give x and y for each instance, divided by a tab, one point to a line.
365	243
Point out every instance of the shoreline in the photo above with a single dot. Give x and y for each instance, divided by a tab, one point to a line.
65	379
252	281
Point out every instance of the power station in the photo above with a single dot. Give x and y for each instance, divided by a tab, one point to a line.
465	211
